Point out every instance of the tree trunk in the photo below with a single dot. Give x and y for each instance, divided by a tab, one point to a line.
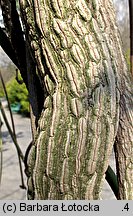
77	52
124	139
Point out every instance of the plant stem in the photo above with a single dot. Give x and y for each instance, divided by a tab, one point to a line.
111	178
12	132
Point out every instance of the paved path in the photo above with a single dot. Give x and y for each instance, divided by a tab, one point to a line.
9	188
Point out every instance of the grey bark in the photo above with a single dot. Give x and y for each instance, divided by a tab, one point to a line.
77	50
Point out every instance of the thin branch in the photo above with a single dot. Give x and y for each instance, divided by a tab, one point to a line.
111	178
13	128
7	47
11	132
5	91
15	34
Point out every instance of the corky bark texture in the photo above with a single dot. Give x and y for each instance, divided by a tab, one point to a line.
124	139
76	48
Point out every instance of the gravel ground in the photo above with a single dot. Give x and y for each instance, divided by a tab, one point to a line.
9	188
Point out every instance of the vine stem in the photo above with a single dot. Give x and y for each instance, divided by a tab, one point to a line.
12	131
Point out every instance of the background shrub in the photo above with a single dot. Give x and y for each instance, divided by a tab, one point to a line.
18	94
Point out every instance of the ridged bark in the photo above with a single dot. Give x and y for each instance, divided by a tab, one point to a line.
77	50
124	139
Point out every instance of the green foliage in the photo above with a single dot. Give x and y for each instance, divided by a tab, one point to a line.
1	91
8	71
18	94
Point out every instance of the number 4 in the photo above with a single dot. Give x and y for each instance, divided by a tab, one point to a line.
126	207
